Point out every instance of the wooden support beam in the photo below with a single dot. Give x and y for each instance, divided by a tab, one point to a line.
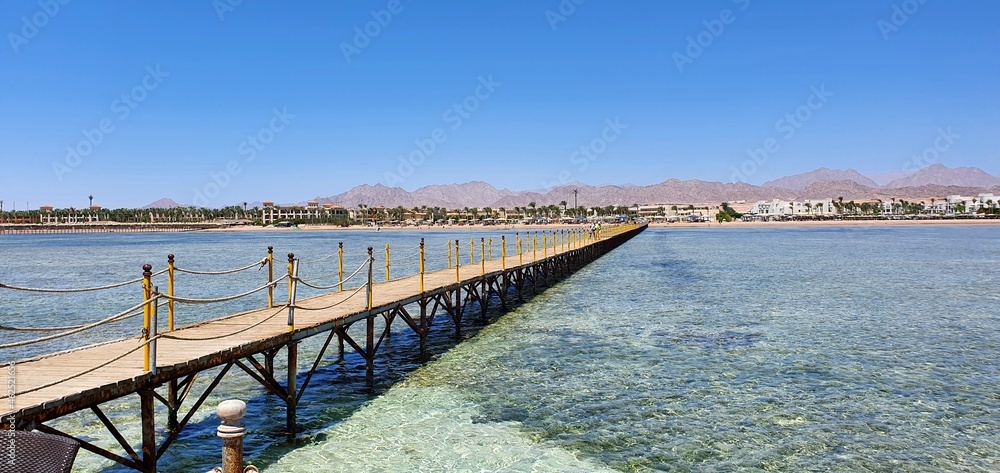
370	349
291	401
147	411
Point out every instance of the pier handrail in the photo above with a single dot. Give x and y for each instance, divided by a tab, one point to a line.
563	241
75	290
186	300
335	304
173	336
124	315
335	285
259	264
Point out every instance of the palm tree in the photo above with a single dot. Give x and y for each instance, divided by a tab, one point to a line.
563	204
91	197
532	205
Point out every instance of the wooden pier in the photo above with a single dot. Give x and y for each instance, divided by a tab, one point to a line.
162	367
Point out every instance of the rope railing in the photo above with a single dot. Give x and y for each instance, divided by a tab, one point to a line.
335	304
145	343
258	264
169	335
320	260
406	258
75	290
52	329
187	300
337	284
126	314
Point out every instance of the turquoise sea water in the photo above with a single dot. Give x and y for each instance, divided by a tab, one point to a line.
762	349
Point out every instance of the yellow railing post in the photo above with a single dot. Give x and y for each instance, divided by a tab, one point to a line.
482	254
519	248
472	251
421	265
449	254
458	251
147	311
340	266
534	248
371	263
503	251
292	270
386	262
151	345
170	293
545	245
270	276
489	243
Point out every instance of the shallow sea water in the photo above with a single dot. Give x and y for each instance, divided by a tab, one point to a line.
765	349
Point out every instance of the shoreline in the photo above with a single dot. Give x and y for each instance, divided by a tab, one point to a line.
560	226
173	227
831	223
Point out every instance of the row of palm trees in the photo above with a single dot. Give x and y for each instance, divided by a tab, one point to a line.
125	215
531	211
903	207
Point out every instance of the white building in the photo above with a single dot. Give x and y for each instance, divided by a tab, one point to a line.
312	211
772	208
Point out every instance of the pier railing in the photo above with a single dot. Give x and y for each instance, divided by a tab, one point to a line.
530	247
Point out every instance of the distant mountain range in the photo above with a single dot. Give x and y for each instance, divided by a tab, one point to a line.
936	174
933	181
804	180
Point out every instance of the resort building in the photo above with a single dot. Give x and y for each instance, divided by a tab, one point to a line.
772	208
311	211
51	215
952	205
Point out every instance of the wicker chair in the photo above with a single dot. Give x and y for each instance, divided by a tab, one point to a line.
37	452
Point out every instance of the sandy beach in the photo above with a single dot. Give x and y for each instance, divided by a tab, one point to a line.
560	226
830	223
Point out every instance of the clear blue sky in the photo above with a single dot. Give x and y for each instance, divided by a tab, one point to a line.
338	109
